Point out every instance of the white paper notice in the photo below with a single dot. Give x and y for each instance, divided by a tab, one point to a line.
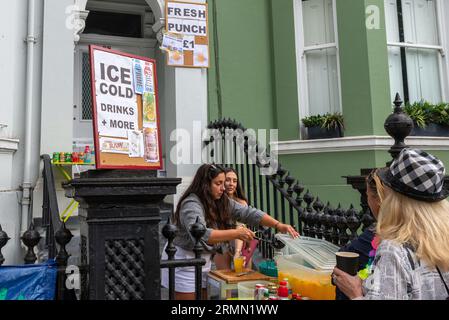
175	58
115	96
189	43
201	56
172	42
111	145
136	147
186	10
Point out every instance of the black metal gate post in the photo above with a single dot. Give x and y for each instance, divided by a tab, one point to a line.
119	218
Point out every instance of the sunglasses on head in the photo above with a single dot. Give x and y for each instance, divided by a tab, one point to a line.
215	169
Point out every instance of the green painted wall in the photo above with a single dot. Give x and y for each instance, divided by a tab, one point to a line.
322	173
285	71
257	79
253	76
364	68
244	56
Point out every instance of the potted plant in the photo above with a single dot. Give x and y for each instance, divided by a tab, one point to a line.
429	119
324	126
419	112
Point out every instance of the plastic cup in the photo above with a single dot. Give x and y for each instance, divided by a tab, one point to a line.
238	264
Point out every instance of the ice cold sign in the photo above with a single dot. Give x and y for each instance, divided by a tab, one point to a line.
115	98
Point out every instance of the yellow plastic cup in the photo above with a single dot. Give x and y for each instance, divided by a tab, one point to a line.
238	264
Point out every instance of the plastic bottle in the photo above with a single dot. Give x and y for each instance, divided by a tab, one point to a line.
266	295
290	291
283	291
87	155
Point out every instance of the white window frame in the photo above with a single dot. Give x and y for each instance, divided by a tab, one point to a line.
443	48
301	59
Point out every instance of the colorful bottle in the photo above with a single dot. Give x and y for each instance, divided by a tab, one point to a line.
283	291
266	294
257	291
55	157
87	155
290	291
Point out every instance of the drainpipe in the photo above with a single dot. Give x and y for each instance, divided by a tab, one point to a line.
27	184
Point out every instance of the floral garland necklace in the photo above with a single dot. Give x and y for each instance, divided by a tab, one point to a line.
365	273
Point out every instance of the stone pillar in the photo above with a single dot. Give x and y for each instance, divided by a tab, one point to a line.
119	218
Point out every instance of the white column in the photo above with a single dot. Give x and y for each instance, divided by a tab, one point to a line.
183	103
57	77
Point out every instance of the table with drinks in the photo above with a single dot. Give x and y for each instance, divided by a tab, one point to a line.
304	268
64	160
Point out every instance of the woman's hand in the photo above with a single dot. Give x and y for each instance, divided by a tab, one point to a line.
286	228
245	234
351	286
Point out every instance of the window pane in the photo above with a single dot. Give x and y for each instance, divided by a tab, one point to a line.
421	65
423	75
322	76
420	21
114	24
318	22
391	20
395	69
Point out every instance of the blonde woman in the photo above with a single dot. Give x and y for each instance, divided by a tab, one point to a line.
412	259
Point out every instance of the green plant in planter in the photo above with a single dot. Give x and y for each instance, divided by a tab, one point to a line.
328	121
440	114
333	121
313	121
419	112
424	113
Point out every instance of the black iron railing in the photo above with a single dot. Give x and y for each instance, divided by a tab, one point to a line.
169	232
279	193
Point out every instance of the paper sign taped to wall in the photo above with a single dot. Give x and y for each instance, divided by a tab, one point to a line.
112	145
190	22
172	42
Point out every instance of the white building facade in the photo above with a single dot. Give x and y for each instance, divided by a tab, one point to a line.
45	93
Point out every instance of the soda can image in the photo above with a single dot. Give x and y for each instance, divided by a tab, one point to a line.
62	157
68	157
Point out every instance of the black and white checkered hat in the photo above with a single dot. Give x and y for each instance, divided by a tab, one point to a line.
416	174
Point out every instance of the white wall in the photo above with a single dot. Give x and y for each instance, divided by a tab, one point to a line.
57	78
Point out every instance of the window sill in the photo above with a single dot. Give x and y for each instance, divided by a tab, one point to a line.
359	143
8	145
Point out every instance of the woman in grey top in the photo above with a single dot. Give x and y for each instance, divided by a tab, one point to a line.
205	199
412	259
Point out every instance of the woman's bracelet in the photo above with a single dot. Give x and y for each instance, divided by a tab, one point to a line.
276	225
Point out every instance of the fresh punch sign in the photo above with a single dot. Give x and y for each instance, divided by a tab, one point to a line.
187	24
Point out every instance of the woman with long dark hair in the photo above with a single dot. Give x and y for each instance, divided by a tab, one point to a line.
234	248
206	200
